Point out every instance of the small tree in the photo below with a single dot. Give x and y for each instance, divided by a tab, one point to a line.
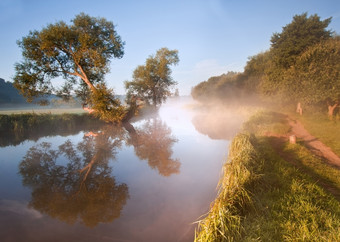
80	53
152	82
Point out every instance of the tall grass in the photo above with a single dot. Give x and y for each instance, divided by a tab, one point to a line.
223	222
290	204
270	195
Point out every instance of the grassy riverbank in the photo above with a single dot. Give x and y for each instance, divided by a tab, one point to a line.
327	131
273	191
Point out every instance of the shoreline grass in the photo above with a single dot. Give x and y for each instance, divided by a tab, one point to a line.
273	191
223	221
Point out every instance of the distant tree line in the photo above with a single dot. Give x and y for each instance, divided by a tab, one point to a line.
11	97
226	87
302	67
8	94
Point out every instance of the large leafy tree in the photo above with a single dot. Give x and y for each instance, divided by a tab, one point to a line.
152	82
295	38
80	53
315	77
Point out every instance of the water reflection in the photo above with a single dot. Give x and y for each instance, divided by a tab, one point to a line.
82	188
218	124
153	142
66	126
74	182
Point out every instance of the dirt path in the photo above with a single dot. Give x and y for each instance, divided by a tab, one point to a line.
316	146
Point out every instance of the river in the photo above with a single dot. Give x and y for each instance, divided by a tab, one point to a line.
146	182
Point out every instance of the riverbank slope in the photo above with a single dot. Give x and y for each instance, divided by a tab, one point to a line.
272	190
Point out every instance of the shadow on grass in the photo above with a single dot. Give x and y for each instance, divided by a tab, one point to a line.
292	156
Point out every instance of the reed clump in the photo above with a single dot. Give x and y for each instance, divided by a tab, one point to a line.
240	174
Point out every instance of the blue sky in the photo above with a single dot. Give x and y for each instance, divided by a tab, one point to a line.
212	36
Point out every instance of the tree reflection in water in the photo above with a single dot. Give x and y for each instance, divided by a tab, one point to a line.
153	142
83	188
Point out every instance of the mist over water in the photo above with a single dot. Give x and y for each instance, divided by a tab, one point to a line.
218	123
149	182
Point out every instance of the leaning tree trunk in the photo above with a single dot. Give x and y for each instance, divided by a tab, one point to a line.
331	109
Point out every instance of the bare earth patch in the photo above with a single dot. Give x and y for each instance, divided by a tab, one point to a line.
316	146
312	144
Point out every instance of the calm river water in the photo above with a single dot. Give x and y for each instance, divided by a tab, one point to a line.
146	182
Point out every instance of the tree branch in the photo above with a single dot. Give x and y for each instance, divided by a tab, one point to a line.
85	79
89	168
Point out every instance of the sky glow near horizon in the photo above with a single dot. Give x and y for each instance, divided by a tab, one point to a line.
212	36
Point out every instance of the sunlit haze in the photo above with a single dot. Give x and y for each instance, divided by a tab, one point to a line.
212	36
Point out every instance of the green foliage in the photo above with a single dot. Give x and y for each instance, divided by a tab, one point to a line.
255	70
297	36
227	87
106	107
315	77
152	82
80	53
301	66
